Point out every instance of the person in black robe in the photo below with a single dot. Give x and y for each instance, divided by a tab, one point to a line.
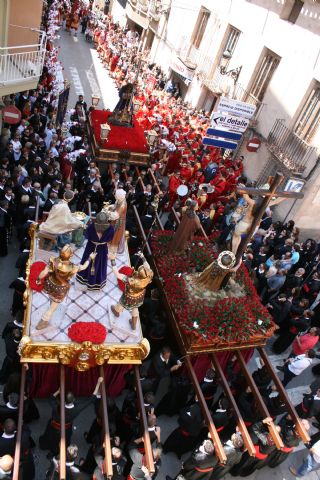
139	471
233	449
147	383
147	219
4	228
23	258
10	409
50	439
90	463
290	330
275	405
164	363
154	434
310	405
291	440
176	397
247	407
27	466
10	326
19	286
185	437
73	471
279	308
209	386
119	462
8	438
264	446
11	362
201	463
262	378
221	417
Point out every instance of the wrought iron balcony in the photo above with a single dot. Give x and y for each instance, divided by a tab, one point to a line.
22	63
290	150
148	9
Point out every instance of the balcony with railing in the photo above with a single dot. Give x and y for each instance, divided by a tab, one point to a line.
144	11
21	65
212	78
290	150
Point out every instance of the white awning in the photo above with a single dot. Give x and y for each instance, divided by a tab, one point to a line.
181	68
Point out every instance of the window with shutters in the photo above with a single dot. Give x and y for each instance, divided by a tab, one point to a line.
200	27
291	10
232	40
266	67
308	122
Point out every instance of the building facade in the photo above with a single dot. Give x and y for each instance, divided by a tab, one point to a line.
264	52
22	45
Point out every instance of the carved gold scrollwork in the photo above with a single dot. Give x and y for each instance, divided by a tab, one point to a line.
82	356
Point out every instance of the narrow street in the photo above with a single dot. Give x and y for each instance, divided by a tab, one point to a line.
85	72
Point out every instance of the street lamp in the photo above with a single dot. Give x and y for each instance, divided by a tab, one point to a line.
151	137
224	62
225	59
104	131
95	99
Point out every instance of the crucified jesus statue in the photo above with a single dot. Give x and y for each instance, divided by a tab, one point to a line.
244	224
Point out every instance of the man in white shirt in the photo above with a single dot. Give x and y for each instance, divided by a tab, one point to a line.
295	366
311	463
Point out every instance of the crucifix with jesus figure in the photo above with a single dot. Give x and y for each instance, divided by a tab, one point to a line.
230	261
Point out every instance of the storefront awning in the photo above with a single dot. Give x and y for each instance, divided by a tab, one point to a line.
183	69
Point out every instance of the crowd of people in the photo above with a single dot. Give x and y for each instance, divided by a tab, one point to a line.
40	162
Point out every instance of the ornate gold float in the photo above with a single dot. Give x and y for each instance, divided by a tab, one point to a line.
79	356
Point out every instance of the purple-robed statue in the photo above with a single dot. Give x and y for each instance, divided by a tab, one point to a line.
98	234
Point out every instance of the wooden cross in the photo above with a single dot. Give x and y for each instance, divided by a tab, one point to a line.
267	197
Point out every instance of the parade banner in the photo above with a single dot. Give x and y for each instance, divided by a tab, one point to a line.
62	106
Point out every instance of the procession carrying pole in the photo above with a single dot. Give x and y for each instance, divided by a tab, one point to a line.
107	444
62	424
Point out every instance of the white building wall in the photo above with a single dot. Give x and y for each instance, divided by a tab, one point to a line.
297	44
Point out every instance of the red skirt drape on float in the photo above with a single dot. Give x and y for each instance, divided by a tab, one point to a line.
45	377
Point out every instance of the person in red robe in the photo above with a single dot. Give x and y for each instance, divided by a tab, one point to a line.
220	185
174	182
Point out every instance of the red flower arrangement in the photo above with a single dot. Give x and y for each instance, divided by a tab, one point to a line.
125	270
228	320
87	332
35	270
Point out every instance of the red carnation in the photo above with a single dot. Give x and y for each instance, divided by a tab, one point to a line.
87	332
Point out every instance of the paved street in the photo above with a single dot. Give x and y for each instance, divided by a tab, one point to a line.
87	76
85	72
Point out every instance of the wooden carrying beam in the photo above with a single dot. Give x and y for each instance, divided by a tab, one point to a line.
17	453
143	420
111	172
259	400
139	177
155	183
283	394
206	413
159	221
240	422
175	216
62	424
106	438
143	235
